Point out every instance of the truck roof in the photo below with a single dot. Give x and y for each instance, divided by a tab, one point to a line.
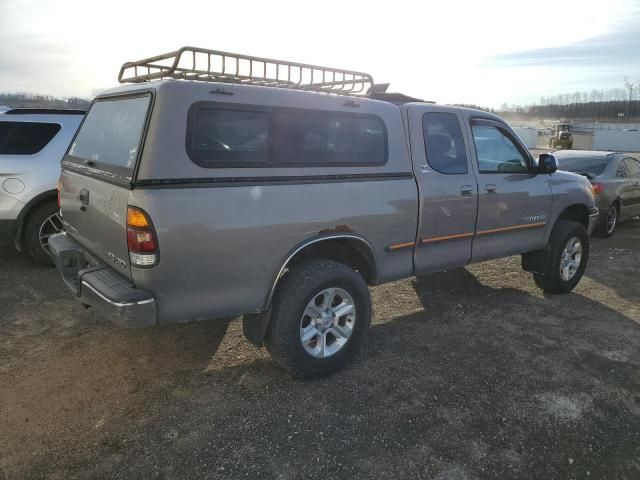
221	89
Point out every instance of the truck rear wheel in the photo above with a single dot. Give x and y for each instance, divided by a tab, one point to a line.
567	258
321	311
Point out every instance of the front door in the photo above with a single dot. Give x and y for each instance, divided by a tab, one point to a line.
514	202
447	188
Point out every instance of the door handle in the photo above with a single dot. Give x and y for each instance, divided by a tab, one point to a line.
83	196
466	190
491	188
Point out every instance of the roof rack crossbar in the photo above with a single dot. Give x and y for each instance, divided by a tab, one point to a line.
192	63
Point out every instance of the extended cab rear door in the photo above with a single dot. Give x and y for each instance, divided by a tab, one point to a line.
447	188
97	173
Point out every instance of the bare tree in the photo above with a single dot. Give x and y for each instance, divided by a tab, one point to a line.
631	86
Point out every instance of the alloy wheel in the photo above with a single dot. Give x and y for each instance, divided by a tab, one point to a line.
611	220
570	259
51	225
327	322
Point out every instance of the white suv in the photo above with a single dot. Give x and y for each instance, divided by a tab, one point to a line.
32	143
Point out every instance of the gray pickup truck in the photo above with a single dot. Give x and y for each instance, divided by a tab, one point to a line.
219	185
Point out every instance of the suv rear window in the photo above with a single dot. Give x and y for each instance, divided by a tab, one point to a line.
109	138
25	138
229	137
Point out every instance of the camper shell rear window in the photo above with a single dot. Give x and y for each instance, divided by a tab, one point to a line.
110	137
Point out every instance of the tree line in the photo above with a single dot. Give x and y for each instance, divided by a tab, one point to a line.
30	100
615	104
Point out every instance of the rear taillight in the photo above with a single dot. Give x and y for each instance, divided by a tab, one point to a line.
141	239
58	188
597	188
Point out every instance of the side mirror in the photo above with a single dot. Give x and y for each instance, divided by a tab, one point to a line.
547	163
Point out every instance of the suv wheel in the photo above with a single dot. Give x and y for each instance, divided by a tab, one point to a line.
609	222
320	313
41	223
568	256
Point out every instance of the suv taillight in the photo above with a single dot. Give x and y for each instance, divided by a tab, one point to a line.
141	238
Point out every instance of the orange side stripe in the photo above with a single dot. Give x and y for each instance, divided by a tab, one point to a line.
398	246
513	227
446	237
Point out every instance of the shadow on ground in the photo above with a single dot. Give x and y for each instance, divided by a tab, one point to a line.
470	373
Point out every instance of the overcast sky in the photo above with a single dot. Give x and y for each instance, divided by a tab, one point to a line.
485	52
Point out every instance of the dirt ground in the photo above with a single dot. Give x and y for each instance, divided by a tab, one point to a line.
470	373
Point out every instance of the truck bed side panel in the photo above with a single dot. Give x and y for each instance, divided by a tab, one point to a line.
227	243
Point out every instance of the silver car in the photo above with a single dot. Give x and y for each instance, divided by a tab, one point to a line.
32	143
615	178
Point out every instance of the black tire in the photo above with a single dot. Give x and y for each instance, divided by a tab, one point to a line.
563	231
570	146
31	231
605	230
299	287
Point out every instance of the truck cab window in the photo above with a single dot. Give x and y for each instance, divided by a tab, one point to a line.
496	152
444	143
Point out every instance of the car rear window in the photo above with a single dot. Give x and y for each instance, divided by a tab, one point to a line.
109	138
591	165
229	137
25	138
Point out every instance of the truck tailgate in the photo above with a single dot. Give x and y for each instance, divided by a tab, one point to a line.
94	213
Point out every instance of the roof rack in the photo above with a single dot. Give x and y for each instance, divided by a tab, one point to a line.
192	63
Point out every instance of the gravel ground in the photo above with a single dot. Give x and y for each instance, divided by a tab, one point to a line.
470	373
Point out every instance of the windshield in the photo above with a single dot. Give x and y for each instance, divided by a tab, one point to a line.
591	165
109	138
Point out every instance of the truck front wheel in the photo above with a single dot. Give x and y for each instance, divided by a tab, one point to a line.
321	311
567	258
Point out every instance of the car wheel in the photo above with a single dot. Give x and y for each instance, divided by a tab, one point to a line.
321	311
609	222
567	258
41	223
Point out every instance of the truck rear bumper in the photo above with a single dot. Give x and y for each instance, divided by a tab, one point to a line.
98	285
